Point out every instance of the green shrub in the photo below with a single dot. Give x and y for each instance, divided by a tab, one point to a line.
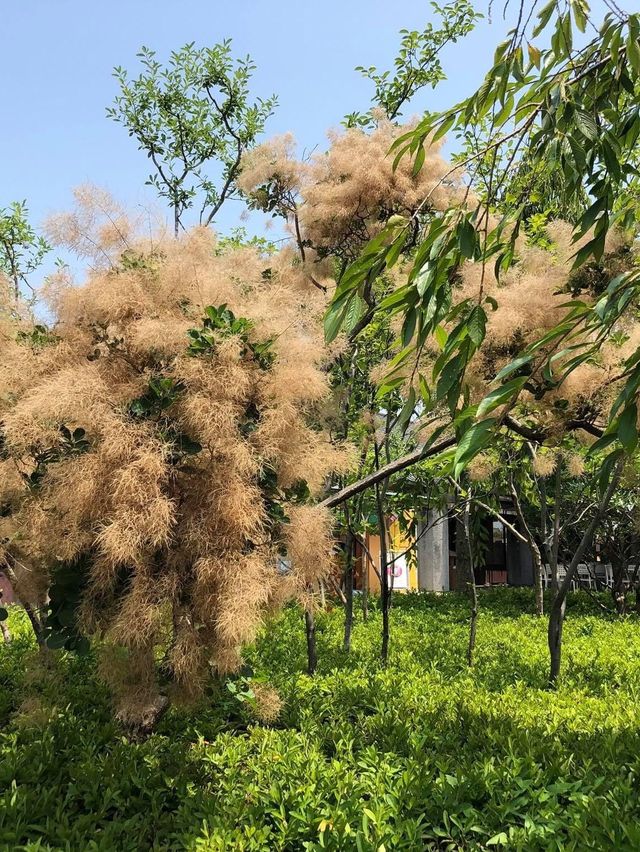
424	754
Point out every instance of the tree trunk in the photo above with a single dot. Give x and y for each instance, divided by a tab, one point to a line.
36	624
471	583
32	612
365	590
310	628
556	617
385	594
554	636
555	546
462	555
551	538
617	591
537	579
348	592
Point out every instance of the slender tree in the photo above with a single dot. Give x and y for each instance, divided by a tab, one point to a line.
558	607
194	120
22	249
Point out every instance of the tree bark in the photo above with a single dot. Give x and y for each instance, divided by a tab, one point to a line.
424	452
310	629
617	590
365	590
462	555
323	596
385	594
385	472
32	613
555	544
348	592
471	583
533	547
176	220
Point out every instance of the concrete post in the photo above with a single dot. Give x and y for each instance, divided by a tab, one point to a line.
433	552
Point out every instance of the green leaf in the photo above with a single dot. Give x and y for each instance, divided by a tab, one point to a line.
444	127
466	238
441	336
580	14
602	443
476	325
409	326
407	411
473	441
627	428
567	32
355	309
425	391
401	296
544	16
633	51
586	124
451	376
516	364
590	216
336	314
501	395
593	249
56	641
419	161
607	469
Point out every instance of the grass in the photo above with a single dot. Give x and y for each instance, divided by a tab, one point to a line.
422	755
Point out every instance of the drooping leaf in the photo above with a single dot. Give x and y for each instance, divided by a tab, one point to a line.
501	395
627	431
472	442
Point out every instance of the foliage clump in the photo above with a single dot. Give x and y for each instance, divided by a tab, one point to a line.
161	450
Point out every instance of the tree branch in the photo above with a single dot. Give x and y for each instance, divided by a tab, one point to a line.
422	452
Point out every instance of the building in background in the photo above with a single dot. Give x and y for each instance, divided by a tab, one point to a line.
431	561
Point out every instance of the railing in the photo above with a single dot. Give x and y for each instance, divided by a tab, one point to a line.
590	575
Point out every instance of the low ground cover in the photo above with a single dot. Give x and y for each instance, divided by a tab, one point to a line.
423	754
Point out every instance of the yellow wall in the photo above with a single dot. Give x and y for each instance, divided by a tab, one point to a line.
397	543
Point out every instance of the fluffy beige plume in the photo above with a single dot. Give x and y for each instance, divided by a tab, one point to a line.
168	502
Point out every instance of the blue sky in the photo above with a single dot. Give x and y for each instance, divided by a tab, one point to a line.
57	59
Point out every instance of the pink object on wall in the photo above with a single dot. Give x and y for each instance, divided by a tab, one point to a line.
7	592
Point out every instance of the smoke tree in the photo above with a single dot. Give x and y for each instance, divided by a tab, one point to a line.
161	444
332	205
